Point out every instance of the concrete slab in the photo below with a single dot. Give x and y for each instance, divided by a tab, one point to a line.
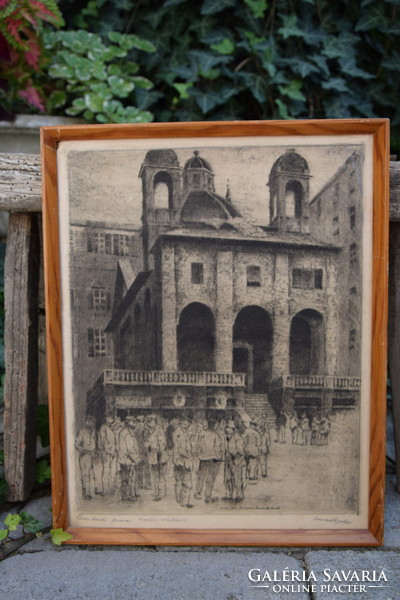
101	575
331	567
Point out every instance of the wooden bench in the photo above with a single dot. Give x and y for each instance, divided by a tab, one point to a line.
25	381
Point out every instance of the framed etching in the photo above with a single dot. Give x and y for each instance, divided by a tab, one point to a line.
216	311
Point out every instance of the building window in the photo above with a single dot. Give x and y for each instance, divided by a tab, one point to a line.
107	243
96	342
253	276
99	300
352	216
96	243
353	255
197	272
307	279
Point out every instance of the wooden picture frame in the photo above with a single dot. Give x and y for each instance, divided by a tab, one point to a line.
240	288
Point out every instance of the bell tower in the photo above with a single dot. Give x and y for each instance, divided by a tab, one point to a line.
161	186
289	193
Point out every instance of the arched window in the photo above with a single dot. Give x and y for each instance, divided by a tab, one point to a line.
196	338
293	199
252	347
307	343
162	190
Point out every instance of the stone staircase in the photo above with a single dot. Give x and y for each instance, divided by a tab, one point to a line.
256	405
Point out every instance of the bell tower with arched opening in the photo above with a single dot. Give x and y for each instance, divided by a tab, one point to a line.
289	193
161	185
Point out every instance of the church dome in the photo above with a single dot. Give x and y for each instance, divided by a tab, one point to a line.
290	162
197	162
161	158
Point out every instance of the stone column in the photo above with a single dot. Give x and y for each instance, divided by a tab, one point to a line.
169	322
281	320
224	325
332	321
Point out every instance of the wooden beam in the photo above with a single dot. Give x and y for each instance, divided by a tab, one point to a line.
21	354
20	184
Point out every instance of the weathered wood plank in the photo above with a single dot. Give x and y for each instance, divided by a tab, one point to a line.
20	184
21	354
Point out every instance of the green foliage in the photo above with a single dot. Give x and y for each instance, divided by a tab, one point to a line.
12	522
42	424
43	471
58	536
21	50
259	59
3	490
23	520
96	78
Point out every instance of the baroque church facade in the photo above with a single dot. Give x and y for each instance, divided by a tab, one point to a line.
229	316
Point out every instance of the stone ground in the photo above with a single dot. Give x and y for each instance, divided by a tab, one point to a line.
41	571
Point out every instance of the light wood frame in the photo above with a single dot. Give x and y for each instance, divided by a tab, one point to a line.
373	534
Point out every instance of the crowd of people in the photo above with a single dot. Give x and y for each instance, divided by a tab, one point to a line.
122	458
304	429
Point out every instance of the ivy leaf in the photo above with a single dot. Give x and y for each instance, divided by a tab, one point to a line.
289	28
30	523
335	83
257	7
58	536
12	522
3	534
392	63
1	457
173	3
43	471
348	66
207	100
259	89
182	89
282	109
224	47
374	18
293	90
211	7
321	62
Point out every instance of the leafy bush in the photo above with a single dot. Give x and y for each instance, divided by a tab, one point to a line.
259	59
21	51
94	77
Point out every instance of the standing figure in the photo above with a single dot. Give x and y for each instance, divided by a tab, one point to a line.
264	448
107	451
281	427
210	453
234	462
85	443
324	430
315	430
143	470
128	456
305	429
182	460
156	445
252	444
294	427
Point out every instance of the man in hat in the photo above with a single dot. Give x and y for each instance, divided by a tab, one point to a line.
107	451
157	455
128	456
182	458
210	454
85	443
